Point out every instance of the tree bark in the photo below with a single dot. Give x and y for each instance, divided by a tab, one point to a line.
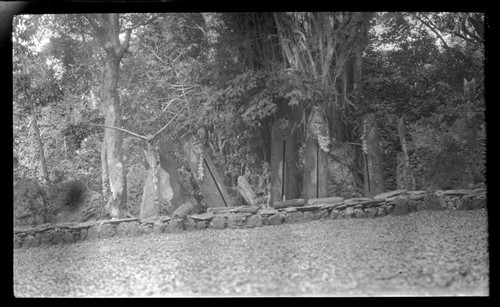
38	139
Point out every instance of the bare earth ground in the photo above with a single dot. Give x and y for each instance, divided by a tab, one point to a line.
422	253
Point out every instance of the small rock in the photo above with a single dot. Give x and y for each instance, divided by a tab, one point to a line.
159	227
68	238
175	225
183	210
17	242
253	221
323	213
334	214
358	213
28	241
310	208
189	224
265	220
83	234
400	207
294	217
235	220
218	222
106	230
201	225
346	213
371	212
92	234
57	236
381	211
308	216
276	219
246	209
412	205
146	228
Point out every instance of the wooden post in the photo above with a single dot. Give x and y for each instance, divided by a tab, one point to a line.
208	179
283	185
408	181
315	156
373	170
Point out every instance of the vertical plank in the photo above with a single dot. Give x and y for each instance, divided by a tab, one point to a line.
315	158
373	170
283	158
207	177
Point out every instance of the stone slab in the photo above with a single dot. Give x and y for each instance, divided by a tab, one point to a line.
203	217
326	200
389	194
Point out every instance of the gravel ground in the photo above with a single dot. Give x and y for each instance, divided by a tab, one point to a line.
422	253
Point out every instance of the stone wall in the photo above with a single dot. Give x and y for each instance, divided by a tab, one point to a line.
395	202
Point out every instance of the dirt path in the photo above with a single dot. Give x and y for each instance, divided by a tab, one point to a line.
423	253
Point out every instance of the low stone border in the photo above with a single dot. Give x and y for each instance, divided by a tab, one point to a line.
395	202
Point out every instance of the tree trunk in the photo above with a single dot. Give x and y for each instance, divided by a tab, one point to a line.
408	181
38	139
104	170
373	170
117	201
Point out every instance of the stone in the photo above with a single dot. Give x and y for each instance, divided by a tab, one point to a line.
478	203
253	221
468	202
347	212
310	208
146	228
235	220
28	241
265	220
68	238
276	219
320	214
400	207
245	209
358	213
325	201
412	205
390	194
175	225
458	192
356	201
57	236
189	224
289	203
294	217
381	211
218	222
92	233
334	214
416	195
183	210
432	202
159	227
106	230
216	210
267	211
18	242
123	221
83	234
308	216
246	191
203	217
148	203
201	225
371	212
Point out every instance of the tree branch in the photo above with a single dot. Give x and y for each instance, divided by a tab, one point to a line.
121	129
428	25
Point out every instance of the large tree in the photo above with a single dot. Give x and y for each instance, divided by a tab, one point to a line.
107	28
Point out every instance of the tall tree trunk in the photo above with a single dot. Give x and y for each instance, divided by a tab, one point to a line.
104	169
38	139
117	201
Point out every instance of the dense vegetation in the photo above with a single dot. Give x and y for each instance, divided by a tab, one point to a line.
228	77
